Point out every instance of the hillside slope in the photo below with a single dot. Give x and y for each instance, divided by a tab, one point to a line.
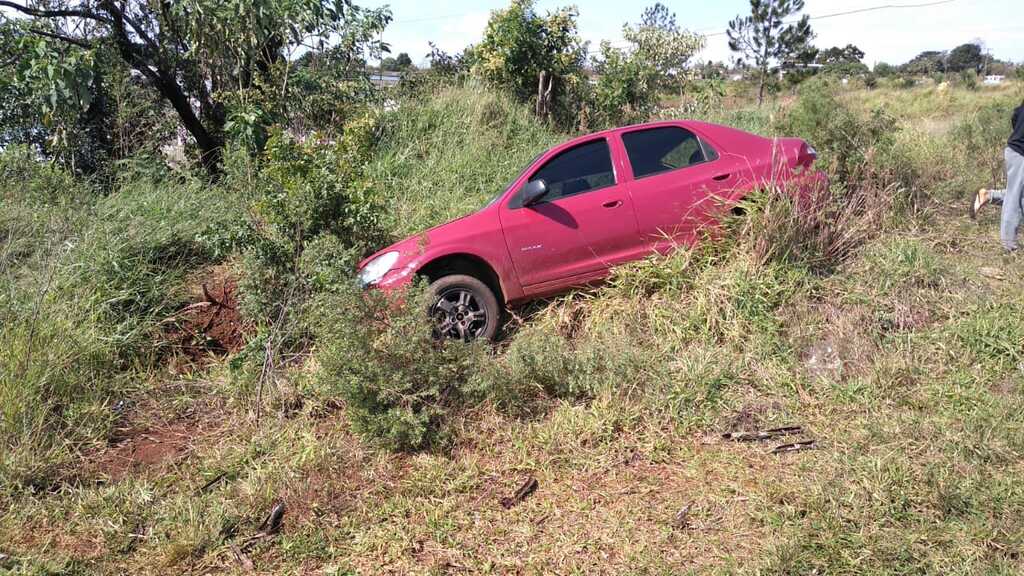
903	363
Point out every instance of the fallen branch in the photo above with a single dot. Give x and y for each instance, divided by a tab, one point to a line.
763	435
528	487
795	447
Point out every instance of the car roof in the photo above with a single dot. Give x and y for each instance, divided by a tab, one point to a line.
706	126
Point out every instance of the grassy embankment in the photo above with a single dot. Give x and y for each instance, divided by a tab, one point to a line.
904	361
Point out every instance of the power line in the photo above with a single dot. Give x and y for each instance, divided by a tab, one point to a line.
822	17
720	31
851	12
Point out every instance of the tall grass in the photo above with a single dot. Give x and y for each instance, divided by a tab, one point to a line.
448	152
85	280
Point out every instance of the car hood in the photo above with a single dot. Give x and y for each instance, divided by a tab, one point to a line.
412	247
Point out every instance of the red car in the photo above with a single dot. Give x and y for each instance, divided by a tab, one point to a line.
581	208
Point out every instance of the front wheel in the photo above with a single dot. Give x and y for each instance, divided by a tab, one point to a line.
464	308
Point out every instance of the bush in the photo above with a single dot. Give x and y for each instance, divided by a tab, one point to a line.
986	129
847	143
401	386
302	193
519	44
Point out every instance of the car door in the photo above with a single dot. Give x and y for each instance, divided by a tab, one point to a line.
678	181
584	224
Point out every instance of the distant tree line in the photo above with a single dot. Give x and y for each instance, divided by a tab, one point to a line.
88	82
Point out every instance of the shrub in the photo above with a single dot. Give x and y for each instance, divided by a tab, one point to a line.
846	141
564	355
302	192
519	44
401	386
983	130
627	89
969	79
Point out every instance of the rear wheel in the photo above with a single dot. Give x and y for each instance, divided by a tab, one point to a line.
464	308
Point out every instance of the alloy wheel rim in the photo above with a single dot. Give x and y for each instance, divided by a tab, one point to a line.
459	315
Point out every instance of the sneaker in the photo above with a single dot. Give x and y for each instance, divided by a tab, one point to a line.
980	199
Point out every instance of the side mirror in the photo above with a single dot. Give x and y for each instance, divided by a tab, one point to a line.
532	192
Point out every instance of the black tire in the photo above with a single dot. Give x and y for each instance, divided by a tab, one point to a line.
457	303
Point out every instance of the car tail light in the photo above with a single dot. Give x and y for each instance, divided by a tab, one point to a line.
807	156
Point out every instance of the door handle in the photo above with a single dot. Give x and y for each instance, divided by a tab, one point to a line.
612	204
721	177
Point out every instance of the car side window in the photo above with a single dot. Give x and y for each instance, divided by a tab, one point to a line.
580	169
658	150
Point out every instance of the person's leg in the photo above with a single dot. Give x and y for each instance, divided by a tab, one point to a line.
1012	199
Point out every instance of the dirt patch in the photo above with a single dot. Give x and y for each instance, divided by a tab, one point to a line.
135	450
150	438
210	326
904	317
750	417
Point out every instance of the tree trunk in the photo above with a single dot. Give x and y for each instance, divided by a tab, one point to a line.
208	139
760	88
544	95
164	78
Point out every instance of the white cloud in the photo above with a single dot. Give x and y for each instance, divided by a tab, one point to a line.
449	34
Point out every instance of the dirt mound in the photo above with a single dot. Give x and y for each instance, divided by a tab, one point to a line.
210	325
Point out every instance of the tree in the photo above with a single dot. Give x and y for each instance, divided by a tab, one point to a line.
445	64
630	79
885	70
927	62
845	61
765	38
519	45
836	55
659	41
195	52
966	57
626	89
399	63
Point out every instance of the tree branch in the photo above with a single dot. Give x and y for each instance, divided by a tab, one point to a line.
66	13
136	28
62	38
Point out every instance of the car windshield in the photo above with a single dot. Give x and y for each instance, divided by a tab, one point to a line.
509	185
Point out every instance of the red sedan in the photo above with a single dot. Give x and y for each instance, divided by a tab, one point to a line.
581	208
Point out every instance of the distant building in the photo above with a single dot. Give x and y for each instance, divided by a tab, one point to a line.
994	79
385	79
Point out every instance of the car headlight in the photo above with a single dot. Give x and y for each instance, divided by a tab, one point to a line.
376	269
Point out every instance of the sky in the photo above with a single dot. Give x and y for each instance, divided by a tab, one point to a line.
892	35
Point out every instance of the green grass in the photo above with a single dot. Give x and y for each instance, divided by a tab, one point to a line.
451	153
902	359
86	281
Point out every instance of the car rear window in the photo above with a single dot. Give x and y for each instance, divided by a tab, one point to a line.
579	169
656	150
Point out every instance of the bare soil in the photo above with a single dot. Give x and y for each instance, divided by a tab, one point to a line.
138	449
210	326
